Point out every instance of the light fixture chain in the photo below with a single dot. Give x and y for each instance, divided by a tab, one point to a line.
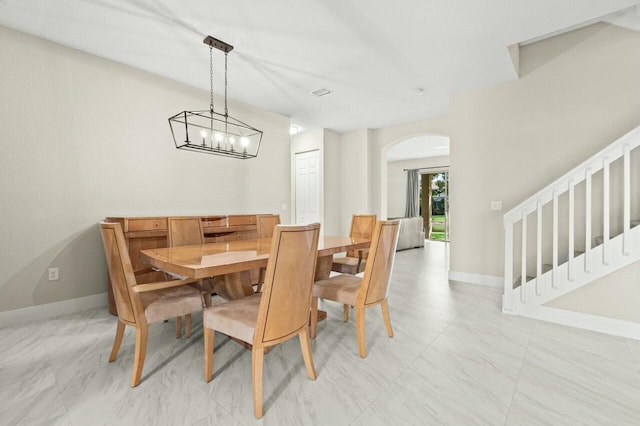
211	76
226	110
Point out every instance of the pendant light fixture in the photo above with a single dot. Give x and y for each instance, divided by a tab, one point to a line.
212	132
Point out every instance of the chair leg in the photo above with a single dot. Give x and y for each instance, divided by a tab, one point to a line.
360	331
117	341
260	280
305	345
178	327
187	325
257	359
314	316
140	353
209	335
207	299
345	313
385	316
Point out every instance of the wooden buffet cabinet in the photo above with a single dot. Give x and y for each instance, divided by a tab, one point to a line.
151	232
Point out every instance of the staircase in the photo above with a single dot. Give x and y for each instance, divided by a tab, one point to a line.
574	231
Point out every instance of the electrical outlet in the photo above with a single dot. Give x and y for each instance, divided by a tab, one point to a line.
54	274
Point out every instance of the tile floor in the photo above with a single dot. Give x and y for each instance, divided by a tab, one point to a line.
455	359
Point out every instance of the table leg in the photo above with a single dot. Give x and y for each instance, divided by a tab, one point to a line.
233	286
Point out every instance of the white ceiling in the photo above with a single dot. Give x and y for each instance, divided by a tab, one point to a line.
373	55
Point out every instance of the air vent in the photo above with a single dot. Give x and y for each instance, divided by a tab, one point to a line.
320	92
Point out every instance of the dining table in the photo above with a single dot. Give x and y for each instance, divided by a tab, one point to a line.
229	263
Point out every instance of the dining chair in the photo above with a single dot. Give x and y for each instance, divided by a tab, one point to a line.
277	314
265	224
355	260
187	231
184	231
142	304
365	292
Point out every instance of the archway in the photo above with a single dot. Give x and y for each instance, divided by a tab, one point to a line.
427	152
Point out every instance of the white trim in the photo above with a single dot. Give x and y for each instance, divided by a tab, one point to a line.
616	327
488	280
49	310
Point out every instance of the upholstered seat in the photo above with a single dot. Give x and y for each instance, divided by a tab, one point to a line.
343	288
170	303
139	304
277	314
237	318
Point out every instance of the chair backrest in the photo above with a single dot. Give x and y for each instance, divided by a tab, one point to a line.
266	223
361	227
184	231
286	293
377	273
120	270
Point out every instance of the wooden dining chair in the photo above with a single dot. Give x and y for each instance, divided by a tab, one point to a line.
265	225
184	231
355	260
277	314
187	231
365	292
142	304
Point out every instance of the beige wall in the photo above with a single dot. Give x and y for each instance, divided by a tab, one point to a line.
577	93
84	138
577	96
397	181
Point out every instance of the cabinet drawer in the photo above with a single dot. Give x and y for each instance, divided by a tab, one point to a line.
246	219
146	224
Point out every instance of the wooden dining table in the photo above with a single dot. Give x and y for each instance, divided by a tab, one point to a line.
230	262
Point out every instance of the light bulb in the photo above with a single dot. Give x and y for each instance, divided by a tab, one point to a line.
232	140
244	141
203	133
218	137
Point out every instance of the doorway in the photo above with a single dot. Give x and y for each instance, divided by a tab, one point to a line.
434	205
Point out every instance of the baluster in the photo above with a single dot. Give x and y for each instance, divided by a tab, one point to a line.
554	262
587	221
523	275
626	242
571	230
605	206
539	250
507	302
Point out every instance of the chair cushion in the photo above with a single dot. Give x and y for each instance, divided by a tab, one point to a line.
170	303
341	288
236	318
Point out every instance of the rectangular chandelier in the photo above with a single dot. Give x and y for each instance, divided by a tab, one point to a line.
212	132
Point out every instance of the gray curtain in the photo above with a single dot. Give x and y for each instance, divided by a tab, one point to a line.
413	196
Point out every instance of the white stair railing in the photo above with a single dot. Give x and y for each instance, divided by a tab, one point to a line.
533	289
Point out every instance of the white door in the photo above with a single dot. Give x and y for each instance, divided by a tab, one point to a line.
308	187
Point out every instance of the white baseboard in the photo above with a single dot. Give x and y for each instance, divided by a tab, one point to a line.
627	329
488	280
50	310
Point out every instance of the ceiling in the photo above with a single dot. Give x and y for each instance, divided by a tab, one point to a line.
373	55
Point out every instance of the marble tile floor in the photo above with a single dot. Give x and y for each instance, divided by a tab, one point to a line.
455	359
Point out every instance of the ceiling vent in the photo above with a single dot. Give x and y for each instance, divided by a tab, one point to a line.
320	92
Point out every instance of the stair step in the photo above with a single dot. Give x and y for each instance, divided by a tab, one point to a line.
545	268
